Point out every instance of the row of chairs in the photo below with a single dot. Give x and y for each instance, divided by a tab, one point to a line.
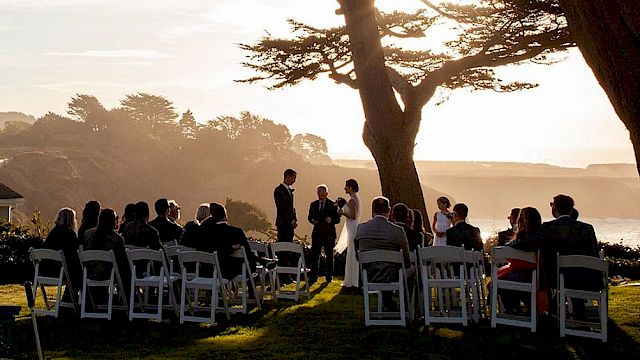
156	274
453	287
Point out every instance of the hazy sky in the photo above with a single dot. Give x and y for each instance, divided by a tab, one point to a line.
187	51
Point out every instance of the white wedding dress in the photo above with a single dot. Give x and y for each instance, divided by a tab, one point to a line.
346	241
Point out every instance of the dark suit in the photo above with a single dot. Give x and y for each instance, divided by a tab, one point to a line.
505	236
167	229
414	237
285	212
464	234
221	237
323	235
138	233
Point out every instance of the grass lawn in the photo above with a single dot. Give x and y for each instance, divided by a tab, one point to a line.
329	325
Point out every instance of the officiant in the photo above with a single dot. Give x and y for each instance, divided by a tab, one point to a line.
323	214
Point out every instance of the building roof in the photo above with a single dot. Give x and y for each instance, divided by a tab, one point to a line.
8	193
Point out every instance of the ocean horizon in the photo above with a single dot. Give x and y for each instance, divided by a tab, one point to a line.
609	230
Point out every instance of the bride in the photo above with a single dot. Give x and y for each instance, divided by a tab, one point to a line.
351	212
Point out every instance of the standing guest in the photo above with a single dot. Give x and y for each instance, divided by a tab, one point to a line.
168	229
379	234
128	216
286	220
323	214
190	235
564	236
462	233
90	215
104	237
507	235
441	221
139	233
174	210
216	235
63	237
418	225
400	217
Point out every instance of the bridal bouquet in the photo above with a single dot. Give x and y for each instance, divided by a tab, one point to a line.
341	202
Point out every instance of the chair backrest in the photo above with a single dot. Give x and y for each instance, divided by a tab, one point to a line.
366	257
38	255
584	262
149	257
96	255
261	248
440	254
500	254
277	247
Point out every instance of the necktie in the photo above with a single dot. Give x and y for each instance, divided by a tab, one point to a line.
321	206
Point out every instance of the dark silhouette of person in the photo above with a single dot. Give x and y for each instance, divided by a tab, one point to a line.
323	214
167	229
400	215
507	235
90	215
139	233
128	216
462	233
286	220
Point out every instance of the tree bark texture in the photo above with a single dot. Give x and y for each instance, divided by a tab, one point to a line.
608	34
388	133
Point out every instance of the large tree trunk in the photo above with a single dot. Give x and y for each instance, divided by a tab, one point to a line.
608	34
387	133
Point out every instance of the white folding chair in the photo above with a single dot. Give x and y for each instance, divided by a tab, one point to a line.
500	256
55	261
400	285
112	286
437	272
201	283
237	289
171	252
151	279
587	327
262	249
474	261
300	270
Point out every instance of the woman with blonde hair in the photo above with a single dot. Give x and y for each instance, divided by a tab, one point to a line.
63	237
192	228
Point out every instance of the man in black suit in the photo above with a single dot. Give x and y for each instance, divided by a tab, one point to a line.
323	214
400	214
167	229
286	220
507	235
564	236
139	232
217	235
462	233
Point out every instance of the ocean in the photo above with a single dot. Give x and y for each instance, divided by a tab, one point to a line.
610	230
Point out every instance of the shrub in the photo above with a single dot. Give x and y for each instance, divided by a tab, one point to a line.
15	241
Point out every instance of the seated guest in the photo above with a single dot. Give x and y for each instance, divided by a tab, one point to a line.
400	215
128	216
507	235
174	210
63	237
168	229
418	225
462	233
90	215
379	234
139	233
217	235
528	222
190	235
563	236
105	237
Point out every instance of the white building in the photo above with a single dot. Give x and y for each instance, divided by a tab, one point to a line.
8	201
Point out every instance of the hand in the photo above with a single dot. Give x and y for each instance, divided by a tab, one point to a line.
327	220
340	211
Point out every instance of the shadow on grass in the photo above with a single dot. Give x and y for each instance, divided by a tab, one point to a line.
328	325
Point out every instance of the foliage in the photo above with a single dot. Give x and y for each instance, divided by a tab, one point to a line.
41	228
15	242
311	147
623	260
154	110
246	216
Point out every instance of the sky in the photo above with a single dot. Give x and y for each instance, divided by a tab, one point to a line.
187	51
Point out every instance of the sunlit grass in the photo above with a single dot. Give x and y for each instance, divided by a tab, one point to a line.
328	325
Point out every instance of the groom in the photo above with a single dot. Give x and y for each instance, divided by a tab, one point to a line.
323	214
286	220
